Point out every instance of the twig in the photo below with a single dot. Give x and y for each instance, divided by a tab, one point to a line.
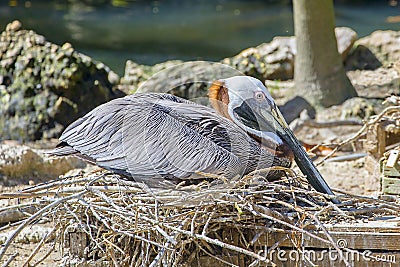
114	259
36	249
204	232
13	256
215	257
360	131
287	224
16	214
334	244
46	255
34	217
224	245
160	255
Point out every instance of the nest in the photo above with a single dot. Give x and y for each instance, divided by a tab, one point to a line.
124	223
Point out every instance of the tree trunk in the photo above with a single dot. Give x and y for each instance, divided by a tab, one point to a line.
319	74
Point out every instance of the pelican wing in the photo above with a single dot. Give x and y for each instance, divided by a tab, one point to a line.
159	134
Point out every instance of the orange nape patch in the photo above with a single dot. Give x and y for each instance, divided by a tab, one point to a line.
214	90
219	98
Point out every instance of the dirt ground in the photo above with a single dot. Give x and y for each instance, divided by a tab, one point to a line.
24	250
25	244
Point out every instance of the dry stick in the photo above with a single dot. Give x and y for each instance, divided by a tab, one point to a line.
103	188
204	232
10	225
266	170
113	245
120	231
19	206
206	239
193	220
16	214
169	238
368	199
114	260
161	254
34	217
272	213
210	249
41	243
21	195
331	206
220	244
253	211
88	232
334	244
13	256
134	257
148	248
46	255
54	184
97	216
359	132
215	257
304	257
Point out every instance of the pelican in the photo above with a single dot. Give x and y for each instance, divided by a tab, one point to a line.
156	137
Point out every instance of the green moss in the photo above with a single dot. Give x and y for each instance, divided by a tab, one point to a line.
41	72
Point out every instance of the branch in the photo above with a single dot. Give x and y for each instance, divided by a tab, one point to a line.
360	132
34	217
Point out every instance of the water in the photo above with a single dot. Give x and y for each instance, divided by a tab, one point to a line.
150	32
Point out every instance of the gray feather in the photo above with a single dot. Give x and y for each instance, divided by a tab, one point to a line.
158	135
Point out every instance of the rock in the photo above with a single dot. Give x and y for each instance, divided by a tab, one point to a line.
189	80
44	87
385	45
136	74
361	58
14	26
275	60
292	109
381	48
346	38
379	83
358	107
31	234
23	162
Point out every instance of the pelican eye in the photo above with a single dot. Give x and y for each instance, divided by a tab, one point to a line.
259	96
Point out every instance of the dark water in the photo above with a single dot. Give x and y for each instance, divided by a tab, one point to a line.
149	32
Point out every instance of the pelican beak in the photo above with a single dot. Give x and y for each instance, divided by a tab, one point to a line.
273	120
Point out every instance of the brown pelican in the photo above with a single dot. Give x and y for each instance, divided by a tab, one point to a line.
157	137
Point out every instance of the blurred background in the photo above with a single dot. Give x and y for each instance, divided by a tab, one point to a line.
150	32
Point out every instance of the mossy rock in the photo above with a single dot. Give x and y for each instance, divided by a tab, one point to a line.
36	76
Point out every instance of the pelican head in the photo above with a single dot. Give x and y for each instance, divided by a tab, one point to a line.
247	102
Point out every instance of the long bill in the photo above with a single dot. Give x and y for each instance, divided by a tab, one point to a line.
302	159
